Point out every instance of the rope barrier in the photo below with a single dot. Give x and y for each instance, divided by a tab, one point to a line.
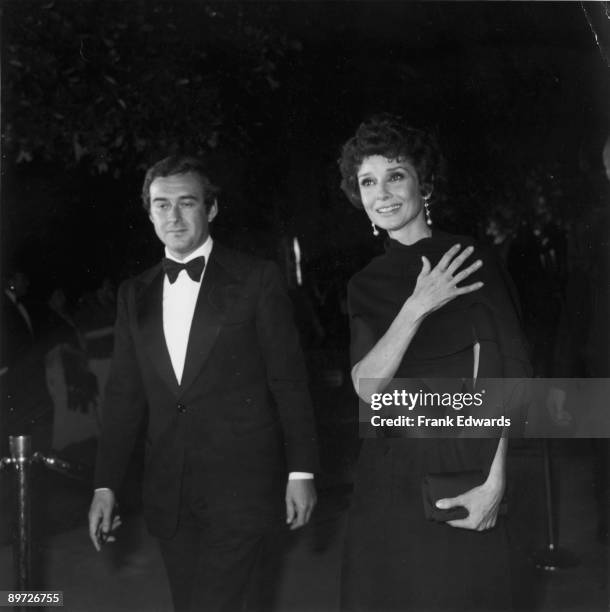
21	459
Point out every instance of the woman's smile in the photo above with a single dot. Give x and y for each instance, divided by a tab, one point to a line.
389	209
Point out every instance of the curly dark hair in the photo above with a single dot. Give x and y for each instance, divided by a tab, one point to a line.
180	164
388	135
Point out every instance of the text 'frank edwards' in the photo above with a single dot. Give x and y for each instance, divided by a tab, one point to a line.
412	401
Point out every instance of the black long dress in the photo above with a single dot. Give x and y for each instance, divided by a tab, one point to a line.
394	559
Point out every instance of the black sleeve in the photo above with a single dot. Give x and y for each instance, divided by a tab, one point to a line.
500	298
286	371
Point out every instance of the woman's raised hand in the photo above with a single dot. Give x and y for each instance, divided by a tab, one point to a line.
437	286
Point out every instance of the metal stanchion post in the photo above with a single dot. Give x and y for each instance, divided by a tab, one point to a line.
21	459
21	455
552	557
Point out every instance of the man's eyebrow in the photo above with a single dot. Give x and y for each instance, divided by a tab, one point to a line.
186	196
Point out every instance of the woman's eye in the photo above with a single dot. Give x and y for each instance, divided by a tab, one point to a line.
367	182
397	176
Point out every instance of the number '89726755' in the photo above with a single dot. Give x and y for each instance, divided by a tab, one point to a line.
31	598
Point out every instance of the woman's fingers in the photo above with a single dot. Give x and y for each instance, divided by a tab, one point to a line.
445	260
458	260
437	286
468	288
452	261
460	276
425	269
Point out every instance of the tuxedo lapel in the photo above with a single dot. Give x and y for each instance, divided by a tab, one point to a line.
150	323
218	289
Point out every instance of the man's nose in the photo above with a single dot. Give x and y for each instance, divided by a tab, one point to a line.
175	213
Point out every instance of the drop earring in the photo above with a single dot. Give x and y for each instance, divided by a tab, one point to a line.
427	210
375	230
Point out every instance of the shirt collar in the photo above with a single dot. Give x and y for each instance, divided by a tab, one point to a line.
205	249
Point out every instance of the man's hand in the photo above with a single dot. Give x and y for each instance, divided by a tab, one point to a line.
482	504
300	501
101	523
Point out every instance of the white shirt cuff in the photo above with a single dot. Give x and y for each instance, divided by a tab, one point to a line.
300	476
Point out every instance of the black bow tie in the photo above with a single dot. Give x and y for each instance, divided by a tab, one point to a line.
193	268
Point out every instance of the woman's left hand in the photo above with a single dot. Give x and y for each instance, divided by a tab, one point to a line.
482	503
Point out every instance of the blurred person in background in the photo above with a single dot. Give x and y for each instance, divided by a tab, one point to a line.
26	405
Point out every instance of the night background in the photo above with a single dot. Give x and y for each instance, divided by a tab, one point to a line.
517	94
93	92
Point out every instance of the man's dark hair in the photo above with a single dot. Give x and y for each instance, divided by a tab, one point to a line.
390	136
180	164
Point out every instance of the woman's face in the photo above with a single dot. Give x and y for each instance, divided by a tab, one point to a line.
390	194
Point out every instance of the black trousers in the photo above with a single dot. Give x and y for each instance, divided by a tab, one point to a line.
209	567
211	564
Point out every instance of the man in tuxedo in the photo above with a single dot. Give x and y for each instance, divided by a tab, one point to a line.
206	350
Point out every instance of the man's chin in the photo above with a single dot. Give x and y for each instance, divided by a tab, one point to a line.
177	251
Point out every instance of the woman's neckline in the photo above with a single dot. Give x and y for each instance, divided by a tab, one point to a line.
395	244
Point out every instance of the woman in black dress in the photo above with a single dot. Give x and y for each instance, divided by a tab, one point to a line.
433	306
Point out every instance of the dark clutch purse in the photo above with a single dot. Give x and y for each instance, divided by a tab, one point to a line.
450	484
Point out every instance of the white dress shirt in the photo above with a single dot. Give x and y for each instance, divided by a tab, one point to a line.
179	300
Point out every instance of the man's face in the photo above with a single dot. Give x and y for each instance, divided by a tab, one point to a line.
178	213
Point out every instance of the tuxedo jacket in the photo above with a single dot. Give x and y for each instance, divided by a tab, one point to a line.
241	418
